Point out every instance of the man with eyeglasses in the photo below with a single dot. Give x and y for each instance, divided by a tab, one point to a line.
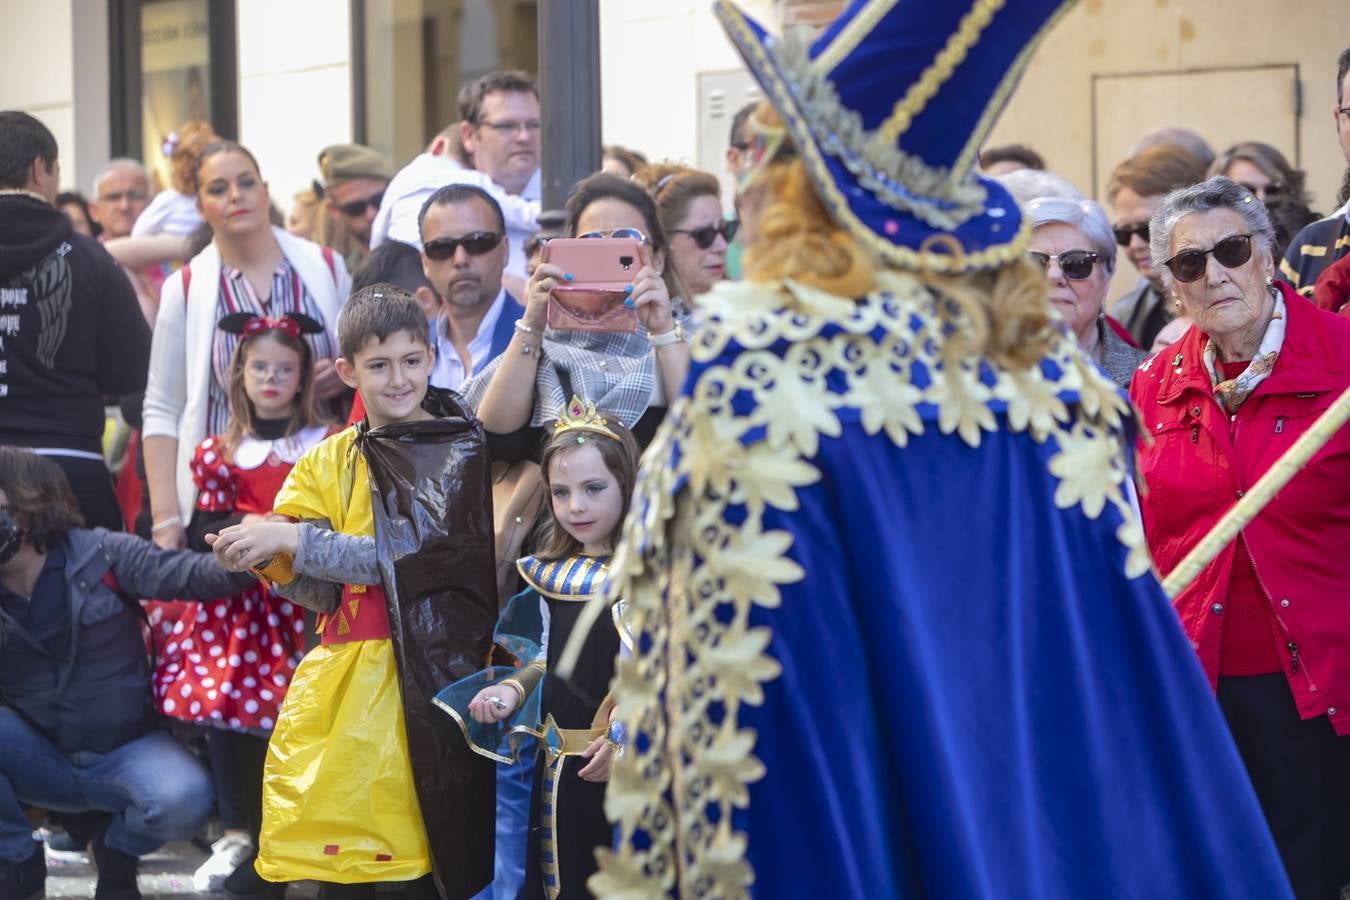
355	178
494	147
121	193
1314	249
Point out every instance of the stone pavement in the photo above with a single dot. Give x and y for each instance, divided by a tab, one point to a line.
166	875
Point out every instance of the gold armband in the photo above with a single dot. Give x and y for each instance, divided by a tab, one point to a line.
527	678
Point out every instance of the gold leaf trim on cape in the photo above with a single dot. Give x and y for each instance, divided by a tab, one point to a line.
691	578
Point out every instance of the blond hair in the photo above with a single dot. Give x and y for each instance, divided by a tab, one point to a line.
1001	315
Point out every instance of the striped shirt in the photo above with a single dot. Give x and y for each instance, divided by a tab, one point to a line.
1314	249
236	294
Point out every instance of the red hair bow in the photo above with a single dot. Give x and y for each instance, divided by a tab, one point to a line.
247	324
281	323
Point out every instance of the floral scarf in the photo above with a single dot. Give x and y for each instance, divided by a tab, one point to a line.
1232	392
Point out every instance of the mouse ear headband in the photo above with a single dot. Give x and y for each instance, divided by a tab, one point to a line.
248	324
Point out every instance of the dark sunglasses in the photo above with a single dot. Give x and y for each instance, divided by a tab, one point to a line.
1076	264
475	243
1231	252
356	207
1123	233
632	233
705	236
1273	190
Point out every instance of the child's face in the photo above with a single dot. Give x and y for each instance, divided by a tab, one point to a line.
391	376
586	498
272	377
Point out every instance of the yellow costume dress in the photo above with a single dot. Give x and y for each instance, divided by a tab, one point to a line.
339	801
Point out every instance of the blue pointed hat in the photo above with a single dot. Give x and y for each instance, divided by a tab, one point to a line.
888	109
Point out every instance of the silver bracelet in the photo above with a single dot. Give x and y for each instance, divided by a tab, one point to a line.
170	522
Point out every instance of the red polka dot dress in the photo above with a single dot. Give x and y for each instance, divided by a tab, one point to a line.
228	662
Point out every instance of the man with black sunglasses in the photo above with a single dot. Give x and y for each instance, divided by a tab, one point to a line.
355	178
1316	247
1136	187
464	252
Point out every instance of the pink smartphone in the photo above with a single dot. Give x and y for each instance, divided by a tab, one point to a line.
601	269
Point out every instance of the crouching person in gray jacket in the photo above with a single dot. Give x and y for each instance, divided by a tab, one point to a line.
78	729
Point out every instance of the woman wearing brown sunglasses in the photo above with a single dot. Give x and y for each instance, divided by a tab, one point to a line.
1268	617
689	203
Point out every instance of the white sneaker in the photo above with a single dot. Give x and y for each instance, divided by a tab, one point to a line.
226	855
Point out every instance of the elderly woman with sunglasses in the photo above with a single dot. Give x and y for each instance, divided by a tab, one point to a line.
631	376
1071	240
1269	617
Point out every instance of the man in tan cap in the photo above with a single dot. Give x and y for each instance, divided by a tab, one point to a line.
354	178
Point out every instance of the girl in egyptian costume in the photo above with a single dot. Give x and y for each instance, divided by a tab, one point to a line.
589	468
897	630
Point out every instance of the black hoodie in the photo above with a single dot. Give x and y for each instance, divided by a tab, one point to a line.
71	330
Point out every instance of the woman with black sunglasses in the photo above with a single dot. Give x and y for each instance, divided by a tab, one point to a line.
1268	617
1135	189
689	203
1071	240
1264	171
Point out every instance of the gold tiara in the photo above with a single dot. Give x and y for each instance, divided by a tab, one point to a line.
580	415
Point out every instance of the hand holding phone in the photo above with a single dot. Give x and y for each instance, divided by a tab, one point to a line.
603	271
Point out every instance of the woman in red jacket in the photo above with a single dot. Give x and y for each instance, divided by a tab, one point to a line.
1270	617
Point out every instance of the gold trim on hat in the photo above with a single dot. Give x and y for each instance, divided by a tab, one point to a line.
869	156
848	39
1000	96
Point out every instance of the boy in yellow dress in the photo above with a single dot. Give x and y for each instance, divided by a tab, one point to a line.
362	783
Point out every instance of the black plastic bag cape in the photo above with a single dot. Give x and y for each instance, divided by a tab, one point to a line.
432	500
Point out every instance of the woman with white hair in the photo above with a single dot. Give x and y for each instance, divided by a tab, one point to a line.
1071	240
1268	617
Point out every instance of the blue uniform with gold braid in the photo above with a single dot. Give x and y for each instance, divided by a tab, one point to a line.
897	630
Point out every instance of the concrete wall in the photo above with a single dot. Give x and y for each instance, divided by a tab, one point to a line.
294	87
1052	108
650	54
37	74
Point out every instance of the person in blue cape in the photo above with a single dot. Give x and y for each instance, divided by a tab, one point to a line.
896	628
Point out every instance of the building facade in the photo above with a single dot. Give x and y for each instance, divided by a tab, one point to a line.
287	77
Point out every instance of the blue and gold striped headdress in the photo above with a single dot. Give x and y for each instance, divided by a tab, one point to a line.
888	109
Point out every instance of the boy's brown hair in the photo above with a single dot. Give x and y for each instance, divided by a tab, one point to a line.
39	497
378	311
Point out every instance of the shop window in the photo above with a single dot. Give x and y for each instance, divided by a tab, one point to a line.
411	57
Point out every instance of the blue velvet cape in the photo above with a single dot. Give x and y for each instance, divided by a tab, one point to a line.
898	635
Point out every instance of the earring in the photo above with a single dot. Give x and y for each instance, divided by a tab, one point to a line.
1270	279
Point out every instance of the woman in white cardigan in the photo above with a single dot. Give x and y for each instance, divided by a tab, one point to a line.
249	266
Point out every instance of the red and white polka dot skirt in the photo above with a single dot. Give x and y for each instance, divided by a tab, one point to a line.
226	662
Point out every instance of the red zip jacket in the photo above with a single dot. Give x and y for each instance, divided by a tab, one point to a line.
1198	464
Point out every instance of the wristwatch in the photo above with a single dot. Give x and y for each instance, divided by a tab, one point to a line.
666	338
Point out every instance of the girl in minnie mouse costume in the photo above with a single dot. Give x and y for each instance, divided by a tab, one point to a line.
227	663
